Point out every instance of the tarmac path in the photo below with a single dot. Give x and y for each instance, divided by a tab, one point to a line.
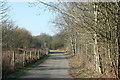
56	66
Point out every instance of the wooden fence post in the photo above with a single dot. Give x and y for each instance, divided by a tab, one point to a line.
24	59
47	51
38	54
30	56
35	55
13	60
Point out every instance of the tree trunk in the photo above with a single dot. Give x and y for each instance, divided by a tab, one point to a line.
118	33
73	47
96	56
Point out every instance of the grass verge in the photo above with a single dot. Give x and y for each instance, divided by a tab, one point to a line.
25	69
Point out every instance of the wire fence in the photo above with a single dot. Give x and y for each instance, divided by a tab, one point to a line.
15	60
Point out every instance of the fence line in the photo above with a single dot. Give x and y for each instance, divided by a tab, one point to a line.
14	60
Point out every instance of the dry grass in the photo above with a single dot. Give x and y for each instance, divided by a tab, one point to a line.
7	60
80	69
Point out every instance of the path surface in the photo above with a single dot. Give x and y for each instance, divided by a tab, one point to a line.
56	66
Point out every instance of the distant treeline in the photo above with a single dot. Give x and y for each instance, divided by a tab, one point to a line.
15	37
